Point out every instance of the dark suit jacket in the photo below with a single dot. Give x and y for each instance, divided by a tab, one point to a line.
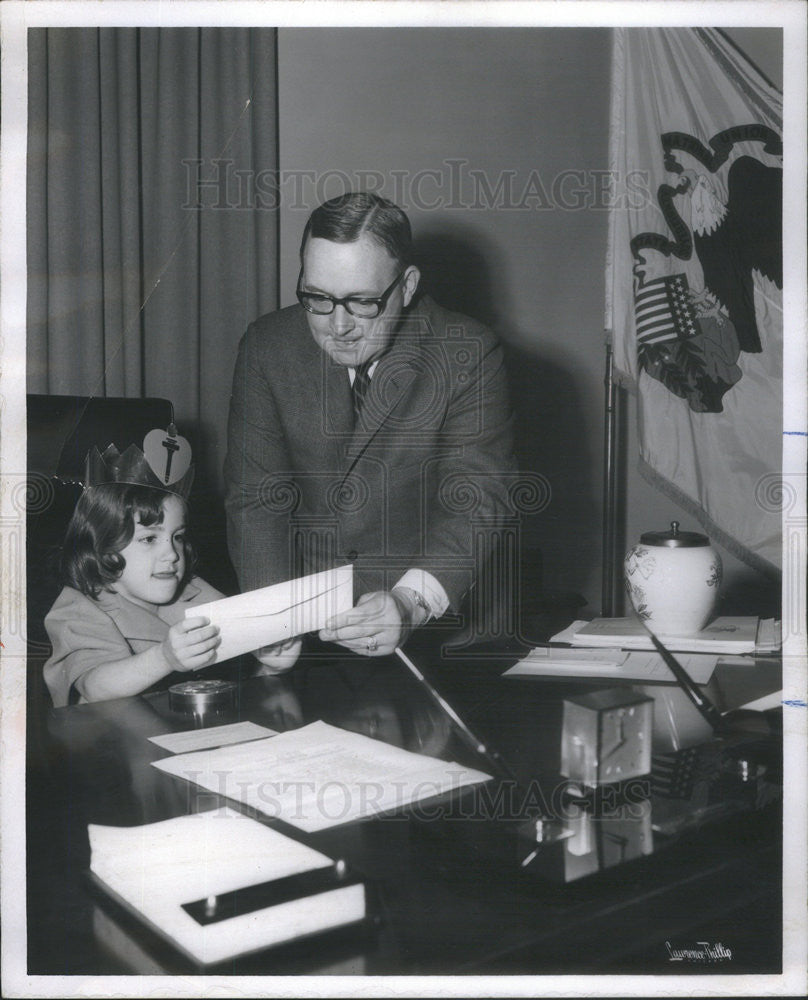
418	483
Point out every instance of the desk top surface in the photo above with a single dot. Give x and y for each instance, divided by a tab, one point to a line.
675	864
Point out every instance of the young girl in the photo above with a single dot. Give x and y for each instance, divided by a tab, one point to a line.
119	625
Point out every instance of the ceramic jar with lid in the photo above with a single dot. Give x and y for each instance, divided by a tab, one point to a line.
672	579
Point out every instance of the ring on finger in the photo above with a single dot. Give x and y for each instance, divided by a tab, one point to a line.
372	644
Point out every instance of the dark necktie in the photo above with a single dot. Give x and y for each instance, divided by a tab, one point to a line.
359	388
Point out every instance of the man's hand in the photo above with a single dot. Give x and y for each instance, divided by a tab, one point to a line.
279	657
379	622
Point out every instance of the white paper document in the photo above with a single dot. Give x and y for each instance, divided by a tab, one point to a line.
155	869
271	614
212	736
724	635
320	776
547	661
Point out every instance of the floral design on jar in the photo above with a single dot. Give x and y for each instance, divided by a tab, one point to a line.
636	595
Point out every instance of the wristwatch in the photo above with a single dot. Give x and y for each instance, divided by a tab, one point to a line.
419	601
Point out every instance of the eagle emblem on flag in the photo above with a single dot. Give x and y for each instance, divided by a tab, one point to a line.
694	296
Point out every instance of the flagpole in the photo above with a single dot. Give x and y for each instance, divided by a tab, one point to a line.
608	533
609	481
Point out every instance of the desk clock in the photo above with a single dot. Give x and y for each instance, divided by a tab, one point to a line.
606	736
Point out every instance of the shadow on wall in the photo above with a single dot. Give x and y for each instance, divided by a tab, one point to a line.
461	272
456	272
550	439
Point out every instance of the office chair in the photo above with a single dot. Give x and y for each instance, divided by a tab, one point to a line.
61	430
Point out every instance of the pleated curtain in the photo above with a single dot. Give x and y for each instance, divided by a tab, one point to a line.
152	231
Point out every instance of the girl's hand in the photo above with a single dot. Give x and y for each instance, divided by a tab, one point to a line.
191	644
279	657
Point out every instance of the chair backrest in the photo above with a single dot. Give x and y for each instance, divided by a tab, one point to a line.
61	430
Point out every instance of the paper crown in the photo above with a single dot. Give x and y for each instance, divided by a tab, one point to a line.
164	464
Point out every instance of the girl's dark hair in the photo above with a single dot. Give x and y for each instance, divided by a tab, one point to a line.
347	217
103	524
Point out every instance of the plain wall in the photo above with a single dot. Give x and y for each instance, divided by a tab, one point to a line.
529	106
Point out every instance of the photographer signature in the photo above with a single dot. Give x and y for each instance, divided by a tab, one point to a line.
701	951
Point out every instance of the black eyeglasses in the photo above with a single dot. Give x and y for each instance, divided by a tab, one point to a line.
364	308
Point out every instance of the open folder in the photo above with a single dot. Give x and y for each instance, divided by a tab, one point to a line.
282	611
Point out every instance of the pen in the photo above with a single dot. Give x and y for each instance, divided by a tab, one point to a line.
447	708
475	743
688	685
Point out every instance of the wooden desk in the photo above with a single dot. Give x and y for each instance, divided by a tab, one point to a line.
448	902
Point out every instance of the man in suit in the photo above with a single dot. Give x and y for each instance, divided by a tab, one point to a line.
367	425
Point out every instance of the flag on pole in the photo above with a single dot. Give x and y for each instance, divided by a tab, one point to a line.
694	276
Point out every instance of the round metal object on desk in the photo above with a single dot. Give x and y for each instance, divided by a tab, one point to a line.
201	697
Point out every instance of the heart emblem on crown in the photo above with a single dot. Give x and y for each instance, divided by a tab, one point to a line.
168	454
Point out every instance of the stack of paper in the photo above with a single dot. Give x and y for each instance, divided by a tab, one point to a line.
769	637
320	776
615	664
724	635
160	870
